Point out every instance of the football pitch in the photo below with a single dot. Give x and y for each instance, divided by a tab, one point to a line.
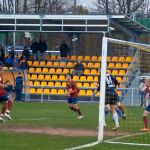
52	126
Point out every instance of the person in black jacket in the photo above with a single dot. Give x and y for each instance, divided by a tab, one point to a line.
78	68
42	49
26	53
64	48
2	54
35	48
24	64
19	86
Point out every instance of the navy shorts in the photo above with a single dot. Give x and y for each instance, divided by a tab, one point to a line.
72	100
4	98
148	108
111	98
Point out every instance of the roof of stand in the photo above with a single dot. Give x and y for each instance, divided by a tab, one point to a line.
66	23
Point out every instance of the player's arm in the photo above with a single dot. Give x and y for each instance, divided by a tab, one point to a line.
74	88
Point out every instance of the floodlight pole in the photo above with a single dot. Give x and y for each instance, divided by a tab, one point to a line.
14	33
102	90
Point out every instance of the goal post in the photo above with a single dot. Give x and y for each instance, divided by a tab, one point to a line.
115	52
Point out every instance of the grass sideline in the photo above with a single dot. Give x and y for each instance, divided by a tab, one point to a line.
58	115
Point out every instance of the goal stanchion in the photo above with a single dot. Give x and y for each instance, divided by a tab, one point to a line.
127	62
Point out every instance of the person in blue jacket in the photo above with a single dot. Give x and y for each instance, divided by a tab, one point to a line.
19	87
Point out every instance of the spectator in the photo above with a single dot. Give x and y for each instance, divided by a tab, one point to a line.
9	61
24	64
12	52
42	49
18	87
78	68
26	53
35	48
16	62
2	54
142	93
64	48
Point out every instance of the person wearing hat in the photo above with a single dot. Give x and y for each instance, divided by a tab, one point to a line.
78	68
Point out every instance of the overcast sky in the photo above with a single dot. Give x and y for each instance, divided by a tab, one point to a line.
86	3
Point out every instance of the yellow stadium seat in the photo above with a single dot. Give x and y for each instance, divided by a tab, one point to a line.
80	58
125	65
45	70
70	65
82	92
32	91
39	91
57	84
30	63
86	71
118	65
29	76
90	65
87	58
46	91
61	77
36	83
34	76
35	63
43	83
63	64
54	91
92	85
56	64
122	72
89	93
95	78
79	84
115	72
49	64
121	59
97	65
128	59
38	70
111	65
58	57
42	63
94	58
73	57
115	58
41	77
52	70
93	71
84	64
108	58
119	79
50	83
61	92
86	85
31	83
58	71
75	78
83	78
90	78
47	57
63	84
65	71
47	77
99	58
31	70
54	77
53	57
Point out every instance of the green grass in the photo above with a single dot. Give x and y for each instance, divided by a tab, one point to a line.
38	115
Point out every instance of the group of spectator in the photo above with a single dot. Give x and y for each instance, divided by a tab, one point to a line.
143	92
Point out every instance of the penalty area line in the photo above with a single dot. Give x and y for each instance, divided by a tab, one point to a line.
83	146
112	141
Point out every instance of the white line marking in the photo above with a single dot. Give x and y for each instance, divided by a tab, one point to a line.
83	146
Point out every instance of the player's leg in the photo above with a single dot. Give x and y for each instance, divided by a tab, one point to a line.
145	118
114	116
76	107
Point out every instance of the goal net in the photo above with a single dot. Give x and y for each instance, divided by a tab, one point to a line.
129	63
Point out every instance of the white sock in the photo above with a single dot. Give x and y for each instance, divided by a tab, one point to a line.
115	117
